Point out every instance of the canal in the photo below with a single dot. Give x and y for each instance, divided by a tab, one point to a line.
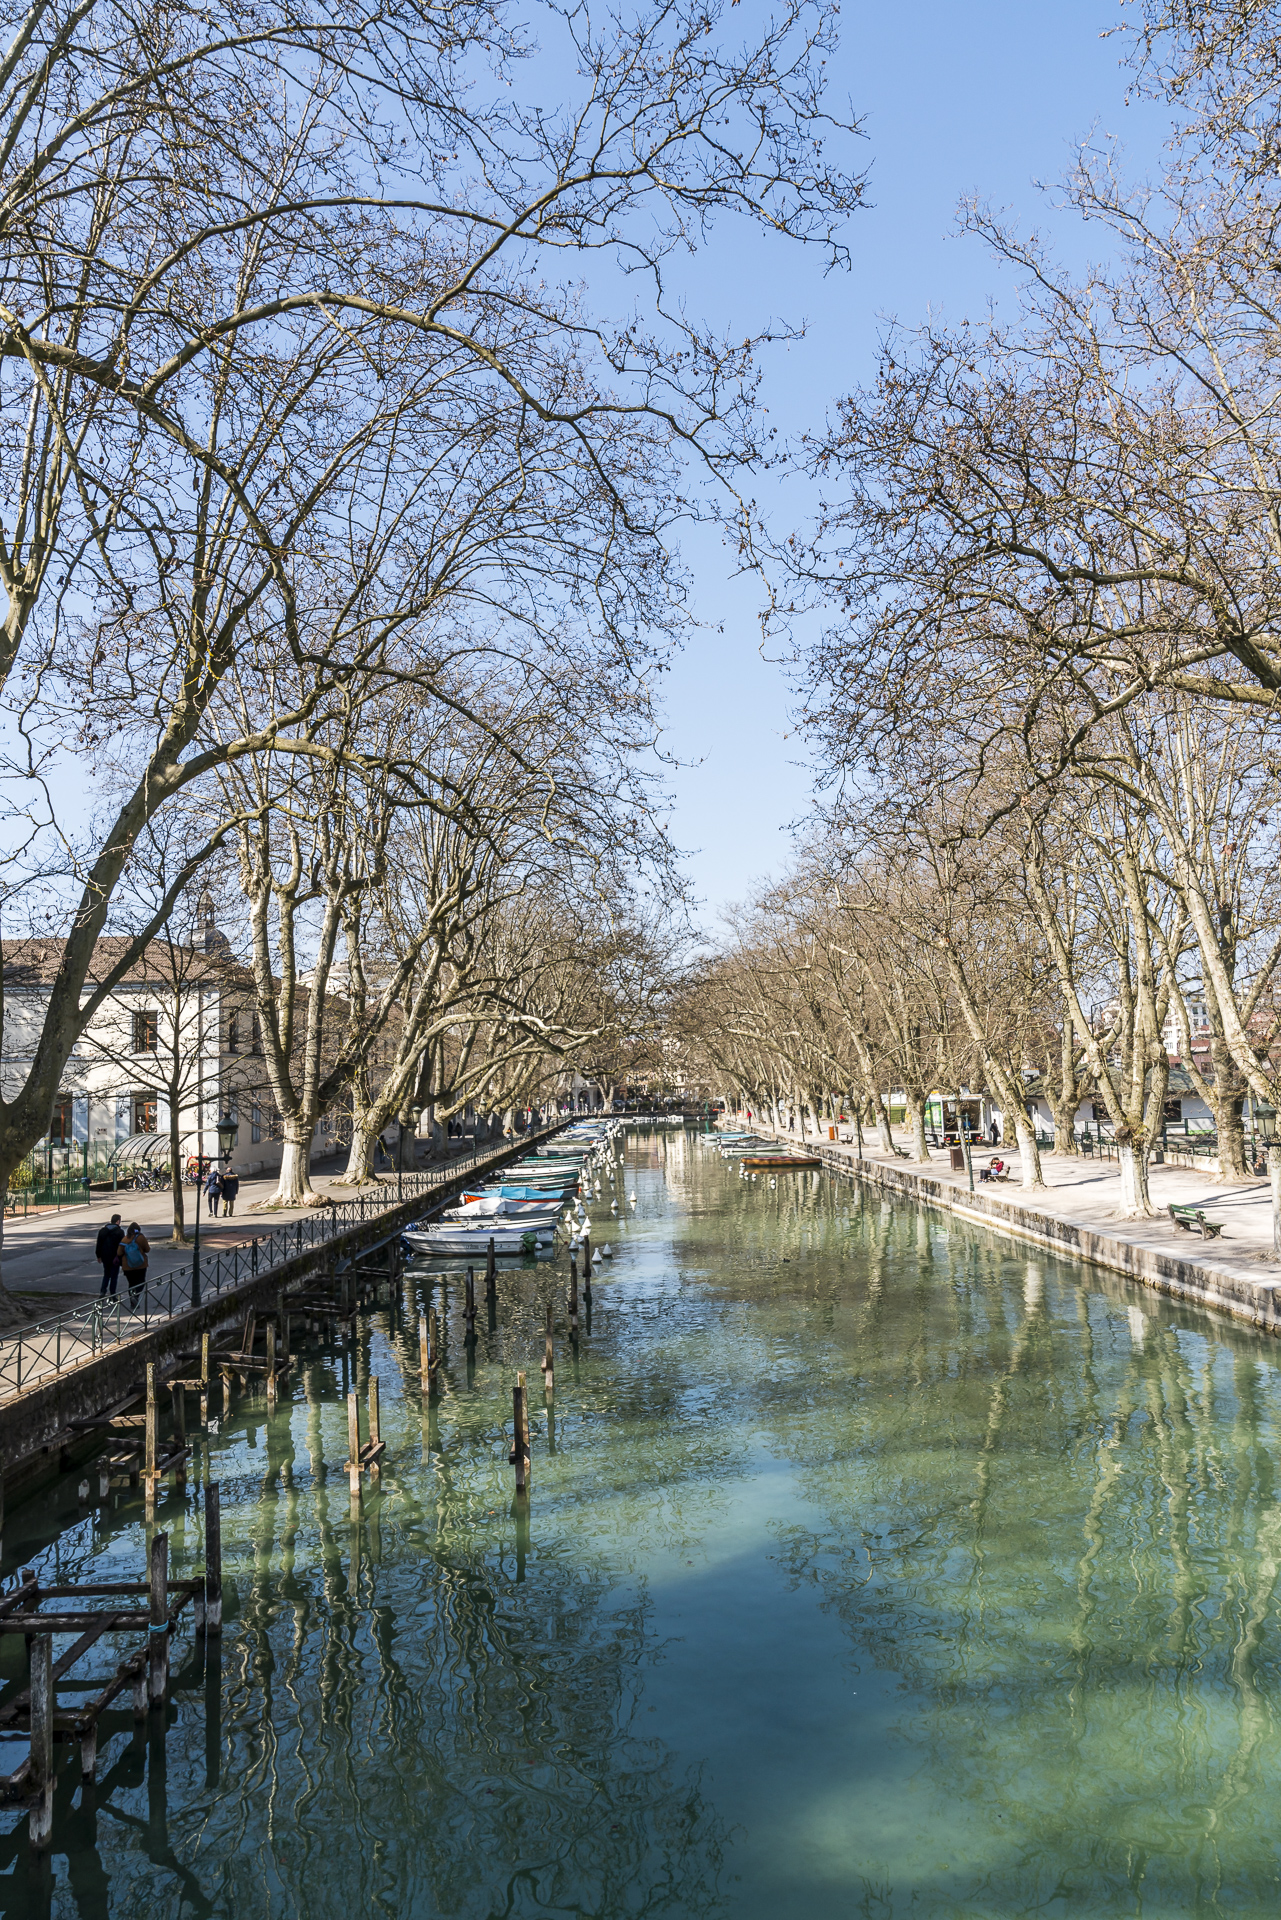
875	1566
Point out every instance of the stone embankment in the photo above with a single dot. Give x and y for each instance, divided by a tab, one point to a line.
38	1433
1075	1215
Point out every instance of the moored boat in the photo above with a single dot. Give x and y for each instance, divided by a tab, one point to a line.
782	1160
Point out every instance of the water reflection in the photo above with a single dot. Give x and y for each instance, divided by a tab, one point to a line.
871	1567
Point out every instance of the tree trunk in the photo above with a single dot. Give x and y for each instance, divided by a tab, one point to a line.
1029	1152
294	1188
1231	1135
12	1312
1064	1116
916	1120
1135	1203
360	1159
883	1123
179	1236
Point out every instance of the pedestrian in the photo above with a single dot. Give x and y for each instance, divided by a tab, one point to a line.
230	1188
134	1249
213	1192
107	1251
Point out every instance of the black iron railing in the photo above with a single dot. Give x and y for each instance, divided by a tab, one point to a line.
67	1340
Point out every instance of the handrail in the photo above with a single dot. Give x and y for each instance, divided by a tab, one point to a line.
54	1346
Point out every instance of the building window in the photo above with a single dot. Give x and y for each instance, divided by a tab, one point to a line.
144	1113
255	1123
233	1033
1173	1110
145	1030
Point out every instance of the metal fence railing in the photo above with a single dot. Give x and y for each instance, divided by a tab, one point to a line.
66	1340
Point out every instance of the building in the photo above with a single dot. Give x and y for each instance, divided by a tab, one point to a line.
178	1034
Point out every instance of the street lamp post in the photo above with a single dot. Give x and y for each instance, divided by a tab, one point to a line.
1266	1118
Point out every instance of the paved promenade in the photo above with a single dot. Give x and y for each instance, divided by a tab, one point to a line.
1237	1270
48	1258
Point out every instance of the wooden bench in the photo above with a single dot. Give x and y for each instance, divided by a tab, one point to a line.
1192	1220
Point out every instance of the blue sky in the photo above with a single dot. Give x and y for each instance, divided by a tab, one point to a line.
984	96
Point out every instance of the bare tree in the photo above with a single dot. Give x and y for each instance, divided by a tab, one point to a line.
249	269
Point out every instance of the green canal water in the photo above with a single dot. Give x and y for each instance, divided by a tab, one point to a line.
874	1567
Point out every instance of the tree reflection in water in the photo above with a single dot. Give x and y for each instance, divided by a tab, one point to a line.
873	1567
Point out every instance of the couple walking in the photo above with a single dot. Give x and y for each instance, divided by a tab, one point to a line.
120	1247
223	1185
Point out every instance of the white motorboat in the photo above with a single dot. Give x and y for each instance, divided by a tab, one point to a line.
487	1208
451	1237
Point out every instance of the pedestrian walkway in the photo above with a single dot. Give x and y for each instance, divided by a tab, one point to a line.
48	1258
233	1253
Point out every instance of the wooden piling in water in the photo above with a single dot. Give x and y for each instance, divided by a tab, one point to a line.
469	1309
520	1448
353	1441
284	1326
549	1357
212	1621
424	1354
158	1649
491	1271
433	1352
573	1297
40	1769
375	1422
271	1360
151	1437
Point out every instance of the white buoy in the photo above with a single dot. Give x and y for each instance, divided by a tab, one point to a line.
632	1198
773	1183
613	1206
607	1252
